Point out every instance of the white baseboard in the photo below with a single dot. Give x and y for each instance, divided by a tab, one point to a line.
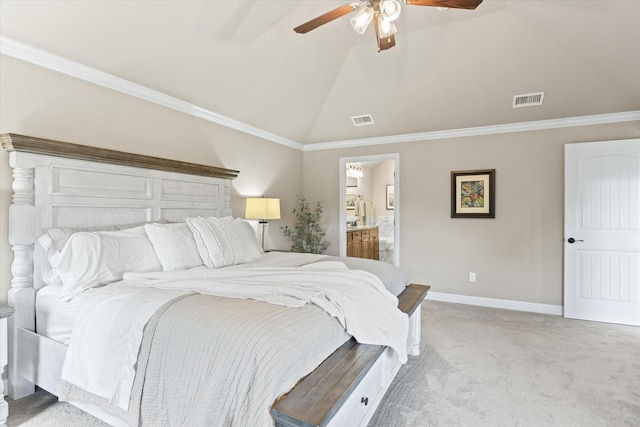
497	303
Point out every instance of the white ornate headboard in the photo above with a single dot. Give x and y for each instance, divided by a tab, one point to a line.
59	184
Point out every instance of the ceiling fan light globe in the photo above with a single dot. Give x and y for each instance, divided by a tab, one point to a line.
390	9
386	28
361	20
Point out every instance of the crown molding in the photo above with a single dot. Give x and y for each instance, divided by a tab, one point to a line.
71	68
597	119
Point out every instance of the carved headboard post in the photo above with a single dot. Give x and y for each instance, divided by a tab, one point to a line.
22	229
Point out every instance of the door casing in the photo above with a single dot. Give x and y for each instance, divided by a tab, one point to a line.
343	202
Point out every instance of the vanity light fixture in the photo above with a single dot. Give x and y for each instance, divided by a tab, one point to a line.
354	170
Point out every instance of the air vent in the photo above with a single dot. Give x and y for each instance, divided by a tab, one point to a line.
528	100
365	120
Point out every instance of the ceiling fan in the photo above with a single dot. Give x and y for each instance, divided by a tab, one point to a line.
382	13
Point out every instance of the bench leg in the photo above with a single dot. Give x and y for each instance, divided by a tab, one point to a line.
415	332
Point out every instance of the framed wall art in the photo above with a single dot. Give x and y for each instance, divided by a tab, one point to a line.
473	194
351	201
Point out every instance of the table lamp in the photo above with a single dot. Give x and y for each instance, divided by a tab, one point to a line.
262	209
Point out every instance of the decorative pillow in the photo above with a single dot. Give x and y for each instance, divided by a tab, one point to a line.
219	241
90	259
248	235
174	245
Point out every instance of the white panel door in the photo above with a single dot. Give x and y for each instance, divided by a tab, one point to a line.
602	231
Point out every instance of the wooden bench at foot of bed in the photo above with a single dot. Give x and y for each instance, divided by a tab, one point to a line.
348	386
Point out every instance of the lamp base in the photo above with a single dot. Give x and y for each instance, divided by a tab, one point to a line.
265	235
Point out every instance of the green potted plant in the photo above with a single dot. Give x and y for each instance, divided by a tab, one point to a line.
307	234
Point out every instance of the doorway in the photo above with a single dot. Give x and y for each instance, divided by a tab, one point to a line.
383	195
602	231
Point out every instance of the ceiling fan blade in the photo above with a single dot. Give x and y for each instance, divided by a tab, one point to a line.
324	19
453	4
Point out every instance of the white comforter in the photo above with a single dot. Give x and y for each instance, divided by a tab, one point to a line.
357	299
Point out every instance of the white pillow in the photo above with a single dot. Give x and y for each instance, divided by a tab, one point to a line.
60	235
219	241
248	234
174	245
90	259
44	274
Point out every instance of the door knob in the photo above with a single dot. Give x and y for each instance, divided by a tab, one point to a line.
572	240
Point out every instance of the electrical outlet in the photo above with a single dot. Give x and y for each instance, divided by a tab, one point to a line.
472	276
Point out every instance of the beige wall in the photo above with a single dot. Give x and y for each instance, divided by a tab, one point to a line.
518	255
43	103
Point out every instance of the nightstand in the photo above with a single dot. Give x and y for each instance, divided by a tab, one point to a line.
5	311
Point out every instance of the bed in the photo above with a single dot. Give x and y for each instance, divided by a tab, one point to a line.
296	362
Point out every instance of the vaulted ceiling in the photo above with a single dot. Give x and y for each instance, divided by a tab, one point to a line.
450	69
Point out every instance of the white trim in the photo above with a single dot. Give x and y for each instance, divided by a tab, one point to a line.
342	203
497	303
71	68
598	119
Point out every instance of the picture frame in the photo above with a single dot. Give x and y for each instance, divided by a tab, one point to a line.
351	201
473	193
390	198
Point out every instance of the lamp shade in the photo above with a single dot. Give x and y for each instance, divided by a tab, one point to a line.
362	18
262	208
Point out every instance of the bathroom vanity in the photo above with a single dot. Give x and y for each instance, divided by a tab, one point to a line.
363	242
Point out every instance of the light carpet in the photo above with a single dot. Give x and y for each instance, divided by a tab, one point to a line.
480	367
